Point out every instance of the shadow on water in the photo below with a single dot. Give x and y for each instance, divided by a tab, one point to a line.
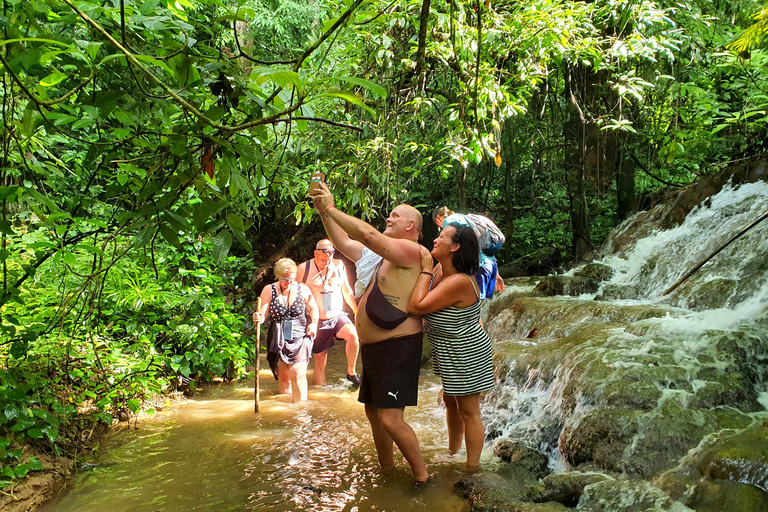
214	453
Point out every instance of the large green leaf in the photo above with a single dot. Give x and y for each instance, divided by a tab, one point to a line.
221	245
352	98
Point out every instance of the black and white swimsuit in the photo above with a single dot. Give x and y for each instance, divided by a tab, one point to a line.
461	350
293	319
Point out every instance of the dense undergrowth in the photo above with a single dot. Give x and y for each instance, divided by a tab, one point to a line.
159	326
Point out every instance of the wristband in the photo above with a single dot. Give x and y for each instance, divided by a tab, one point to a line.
428	273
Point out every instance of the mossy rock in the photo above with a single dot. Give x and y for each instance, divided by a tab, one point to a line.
711	294
726	388
566	285
514	452
596	271
741	457
633	442
566	488
627	496
618	292
598	431
723	495
499	491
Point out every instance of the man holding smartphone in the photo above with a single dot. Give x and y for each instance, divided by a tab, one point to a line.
390	337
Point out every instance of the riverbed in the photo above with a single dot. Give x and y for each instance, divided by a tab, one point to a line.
214	453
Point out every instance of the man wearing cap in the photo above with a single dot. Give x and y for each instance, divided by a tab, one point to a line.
327	279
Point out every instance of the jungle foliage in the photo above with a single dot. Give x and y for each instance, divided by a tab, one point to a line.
155	154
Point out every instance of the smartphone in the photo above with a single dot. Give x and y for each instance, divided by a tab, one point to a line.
317	178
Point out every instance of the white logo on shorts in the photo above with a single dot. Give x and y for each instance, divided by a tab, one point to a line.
393	394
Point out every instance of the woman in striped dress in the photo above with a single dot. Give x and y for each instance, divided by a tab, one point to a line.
461	350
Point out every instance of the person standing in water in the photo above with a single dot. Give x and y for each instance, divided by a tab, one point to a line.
390	337
461	350
291	334
327	279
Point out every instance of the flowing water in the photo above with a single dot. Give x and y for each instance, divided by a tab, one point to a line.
214	453
641	354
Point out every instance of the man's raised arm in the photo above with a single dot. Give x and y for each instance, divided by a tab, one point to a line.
352	249
399	251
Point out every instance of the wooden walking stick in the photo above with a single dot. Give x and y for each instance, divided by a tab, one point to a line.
256	364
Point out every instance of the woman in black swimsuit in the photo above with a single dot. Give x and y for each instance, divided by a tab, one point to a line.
291	335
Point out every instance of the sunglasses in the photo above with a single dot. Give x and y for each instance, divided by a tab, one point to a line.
326	251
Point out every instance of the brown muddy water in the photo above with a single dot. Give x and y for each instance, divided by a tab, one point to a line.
214	453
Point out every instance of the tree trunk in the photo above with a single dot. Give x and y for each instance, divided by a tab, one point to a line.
574	134
508	166
625	187
462	187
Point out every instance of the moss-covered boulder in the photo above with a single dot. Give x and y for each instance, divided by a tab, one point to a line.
618	292
541	262
567	488
513	452
741	457
724	495
566	285
627	496
596	271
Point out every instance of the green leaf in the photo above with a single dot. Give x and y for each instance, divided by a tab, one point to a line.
352	98
53	79
221	245
378	90
155	62
144	237
90	248
5	228
8	193
170	235
235	221
21	470
134	405
35	433
279	76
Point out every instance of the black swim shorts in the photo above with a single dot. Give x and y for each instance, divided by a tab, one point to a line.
327	330
390	377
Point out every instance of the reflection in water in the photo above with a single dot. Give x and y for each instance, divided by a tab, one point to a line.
215	454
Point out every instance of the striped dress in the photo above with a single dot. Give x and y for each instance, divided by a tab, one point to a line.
461	350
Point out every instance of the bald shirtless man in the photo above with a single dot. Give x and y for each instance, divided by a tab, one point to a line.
327	279
390	338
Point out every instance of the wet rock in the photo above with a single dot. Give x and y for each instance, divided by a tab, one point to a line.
724	388
566	285
544	261
627	496
506	490
618	292
741	457
600	436
719	496
566	488
679	203
710	294
596	271
636	443
515	452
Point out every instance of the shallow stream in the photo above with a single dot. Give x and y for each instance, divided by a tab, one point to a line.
214	453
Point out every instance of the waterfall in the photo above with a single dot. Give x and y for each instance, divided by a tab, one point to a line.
632	381
653	263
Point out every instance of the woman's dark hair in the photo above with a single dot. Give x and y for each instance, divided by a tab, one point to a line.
467	258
